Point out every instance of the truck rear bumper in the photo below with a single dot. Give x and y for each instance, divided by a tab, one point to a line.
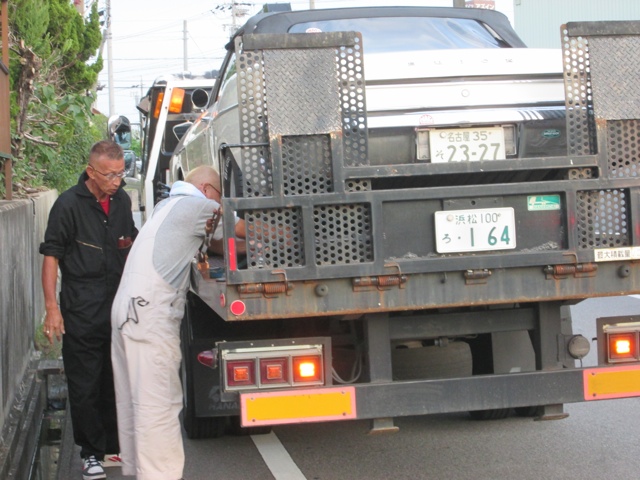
398	399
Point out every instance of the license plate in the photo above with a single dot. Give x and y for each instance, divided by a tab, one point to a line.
475	230
463	144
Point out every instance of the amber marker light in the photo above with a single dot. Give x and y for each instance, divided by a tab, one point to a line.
623	347
307	369
177	99
156	111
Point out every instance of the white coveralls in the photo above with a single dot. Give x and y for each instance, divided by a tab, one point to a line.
146	356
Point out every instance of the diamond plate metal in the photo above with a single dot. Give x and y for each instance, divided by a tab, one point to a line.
302	91
615	70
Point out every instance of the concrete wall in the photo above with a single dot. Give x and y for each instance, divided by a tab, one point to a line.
22	225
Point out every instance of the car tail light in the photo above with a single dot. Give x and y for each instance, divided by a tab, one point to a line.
274	364
618	339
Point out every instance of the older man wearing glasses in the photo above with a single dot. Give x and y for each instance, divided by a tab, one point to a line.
88	237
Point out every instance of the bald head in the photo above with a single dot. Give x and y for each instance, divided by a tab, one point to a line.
203	174
207	180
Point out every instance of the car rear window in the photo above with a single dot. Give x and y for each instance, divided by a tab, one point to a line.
393	34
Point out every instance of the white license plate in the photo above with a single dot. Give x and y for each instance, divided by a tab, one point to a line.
465	144
475	230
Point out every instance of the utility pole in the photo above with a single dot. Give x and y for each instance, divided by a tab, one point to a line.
110	62
186	61
312	4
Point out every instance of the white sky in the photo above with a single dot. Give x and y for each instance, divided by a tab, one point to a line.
148	40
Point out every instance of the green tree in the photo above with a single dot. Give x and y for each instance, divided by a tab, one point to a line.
53	71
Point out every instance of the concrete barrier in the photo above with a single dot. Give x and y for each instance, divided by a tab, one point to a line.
22	225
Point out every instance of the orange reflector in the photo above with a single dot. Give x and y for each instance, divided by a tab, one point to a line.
611	382
177	98
297	406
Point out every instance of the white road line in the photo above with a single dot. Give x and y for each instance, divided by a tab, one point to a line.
277	458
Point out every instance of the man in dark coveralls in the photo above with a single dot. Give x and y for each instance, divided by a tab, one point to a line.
89	235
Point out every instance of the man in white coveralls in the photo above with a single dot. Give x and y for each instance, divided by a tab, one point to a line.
146	316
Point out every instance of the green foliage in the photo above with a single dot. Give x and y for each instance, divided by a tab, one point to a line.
53	73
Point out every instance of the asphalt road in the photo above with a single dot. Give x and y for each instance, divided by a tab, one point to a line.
598	440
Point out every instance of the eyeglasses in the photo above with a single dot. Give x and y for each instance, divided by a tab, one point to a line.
209	185
110	176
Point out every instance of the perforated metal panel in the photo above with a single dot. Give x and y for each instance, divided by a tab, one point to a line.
581	131
352	94
343	234
623	139
256	161
306	163
274	238
602	219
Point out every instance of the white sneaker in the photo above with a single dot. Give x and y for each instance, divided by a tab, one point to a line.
92	469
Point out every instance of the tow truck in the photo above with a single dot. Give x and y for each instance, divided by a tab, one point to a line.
421	212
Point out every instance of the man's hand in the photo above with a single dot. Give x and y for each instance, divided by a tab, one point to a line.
53	324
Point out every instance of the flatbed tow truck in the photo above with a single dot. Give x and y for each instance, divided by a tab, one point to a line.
374	291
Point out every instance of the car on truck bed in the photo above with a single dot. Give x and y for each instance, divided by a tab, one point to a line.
424	197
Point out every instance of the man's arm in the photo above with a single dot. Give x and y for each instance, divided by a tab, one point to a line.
53	322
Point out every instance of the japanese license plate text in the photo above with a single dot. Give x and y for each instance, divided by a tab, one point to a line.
475	230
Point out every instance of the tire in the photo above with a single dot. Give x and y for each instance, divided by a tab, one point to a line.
529	411
491	414
196	427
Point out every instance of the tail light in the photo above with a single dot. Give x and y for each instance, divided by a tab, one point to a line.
274	363
618	339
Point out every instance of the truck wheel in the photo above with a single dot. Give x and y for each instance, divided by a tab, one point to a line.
196	427
492	414
235	428
481	351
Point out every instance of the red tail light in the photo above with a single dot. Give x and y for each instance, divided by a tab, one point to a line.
241	373
269	364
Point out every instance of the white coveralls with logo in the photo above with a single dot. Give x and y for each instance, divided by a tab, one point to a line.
146	317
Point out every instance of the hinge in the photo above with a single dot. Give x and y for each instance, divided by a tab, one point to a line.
579	270
476	277
381	282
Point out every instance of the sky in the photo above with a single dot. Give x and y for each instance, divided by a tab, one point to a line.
148	40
